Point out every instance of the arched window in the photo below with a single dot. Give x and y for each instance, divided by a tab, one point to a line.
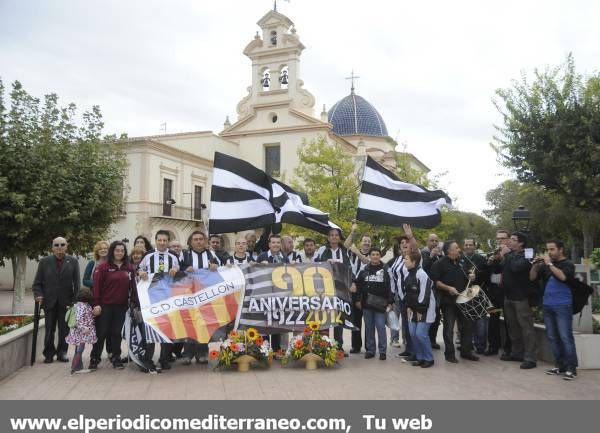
283	77
265	79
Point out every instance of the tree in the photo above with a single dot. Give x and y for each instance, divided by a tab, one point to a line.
57	178
551	137
551	217
327	174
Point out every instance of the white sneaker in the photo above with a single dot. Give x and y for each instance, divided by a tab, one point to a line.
83	371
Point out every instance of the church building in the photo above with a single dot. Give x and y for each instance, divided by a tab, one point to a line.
169	176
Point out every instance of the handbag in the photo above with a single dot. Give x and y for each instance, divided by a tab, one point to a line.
70	316
378	303
393	322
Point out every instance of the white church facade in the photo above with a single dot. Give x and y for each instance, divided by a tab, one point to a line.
169	176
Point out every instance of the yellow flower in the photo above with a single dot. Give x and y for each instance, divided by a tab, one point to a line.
252	334
314	325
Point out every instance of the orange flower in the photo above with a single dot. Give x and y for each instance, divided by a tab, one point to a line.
259	340
339	354
307	330
233	334
214	354
234	347
298	344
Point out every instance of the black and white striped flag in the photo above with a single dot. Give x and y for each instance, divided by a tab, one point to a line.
386	200
244	197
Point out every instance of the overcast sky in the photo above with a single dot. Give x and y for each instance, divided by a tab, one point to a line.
429	67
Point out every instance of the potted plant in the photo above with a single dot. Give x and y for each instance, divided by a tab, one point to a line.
312	348
243	348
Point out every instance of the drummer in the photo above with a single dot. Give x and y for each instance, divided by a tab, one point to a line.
451	279
472	261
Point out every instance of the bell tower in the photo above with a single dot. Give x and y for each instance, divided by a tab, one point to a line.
275	55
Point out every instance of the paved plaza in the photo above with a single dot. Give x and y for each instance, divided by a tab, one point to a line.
355	378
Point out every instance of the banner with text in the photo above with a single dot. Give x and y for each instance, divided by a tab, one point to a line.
282	297
192	304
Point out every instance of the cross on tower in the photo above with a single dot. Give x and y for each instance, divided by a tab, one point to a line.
352	77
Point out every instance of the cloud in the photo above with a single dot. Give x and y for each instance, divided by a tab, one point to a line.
430	68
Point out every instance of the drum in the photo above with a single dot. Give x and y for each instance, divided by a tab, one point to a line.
473	303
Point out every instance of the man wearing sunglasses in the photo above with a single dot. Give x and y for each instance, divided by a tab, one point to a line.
55	285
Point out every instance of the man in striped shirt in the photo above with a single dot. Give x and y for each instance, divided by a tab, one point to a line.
336	253
309	255
240	256
216	245
196	257
398	273
274	255
287	247
158	262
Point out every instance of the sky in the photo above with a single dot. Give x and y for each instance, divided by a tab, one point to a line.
431	68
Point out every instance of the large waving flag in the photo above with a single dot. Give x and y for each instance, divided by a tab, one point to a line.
191	305
386	200
244	197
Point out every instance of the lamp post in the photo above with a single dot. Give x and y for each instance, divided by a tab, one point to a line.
521	218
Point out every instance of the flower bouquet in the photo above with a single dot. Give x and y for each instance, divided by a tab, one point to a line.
242	348
311	347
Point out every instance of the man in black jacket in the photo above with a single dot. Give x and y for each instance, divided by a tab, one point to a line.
451	279
517	312
472	261
55	286
496	295
375	294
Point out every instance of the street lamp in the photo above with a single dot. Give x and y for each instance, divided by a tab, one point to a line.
521	218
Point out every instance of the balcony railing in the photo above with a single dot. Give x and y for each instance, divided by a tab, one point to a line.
161	210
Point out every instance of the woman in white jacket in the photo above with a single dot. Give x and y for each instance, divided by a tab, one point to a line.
420	303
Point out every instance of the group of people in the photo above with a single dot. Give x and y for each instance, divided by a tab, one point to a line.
418	287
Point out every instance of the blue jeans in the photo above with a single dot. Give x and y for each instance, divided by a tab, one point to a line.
375	320
559	327
419	336
480	334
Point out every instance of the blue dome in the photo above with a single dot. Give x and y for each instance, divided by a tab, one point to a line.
353	115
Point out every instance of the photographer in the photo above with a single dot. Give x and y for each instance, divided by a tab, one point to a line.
555	270
517	312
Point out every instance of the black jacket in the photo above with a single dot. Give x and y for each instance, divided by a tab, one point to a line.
56	287
515	277
478	262
451	273
374	280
